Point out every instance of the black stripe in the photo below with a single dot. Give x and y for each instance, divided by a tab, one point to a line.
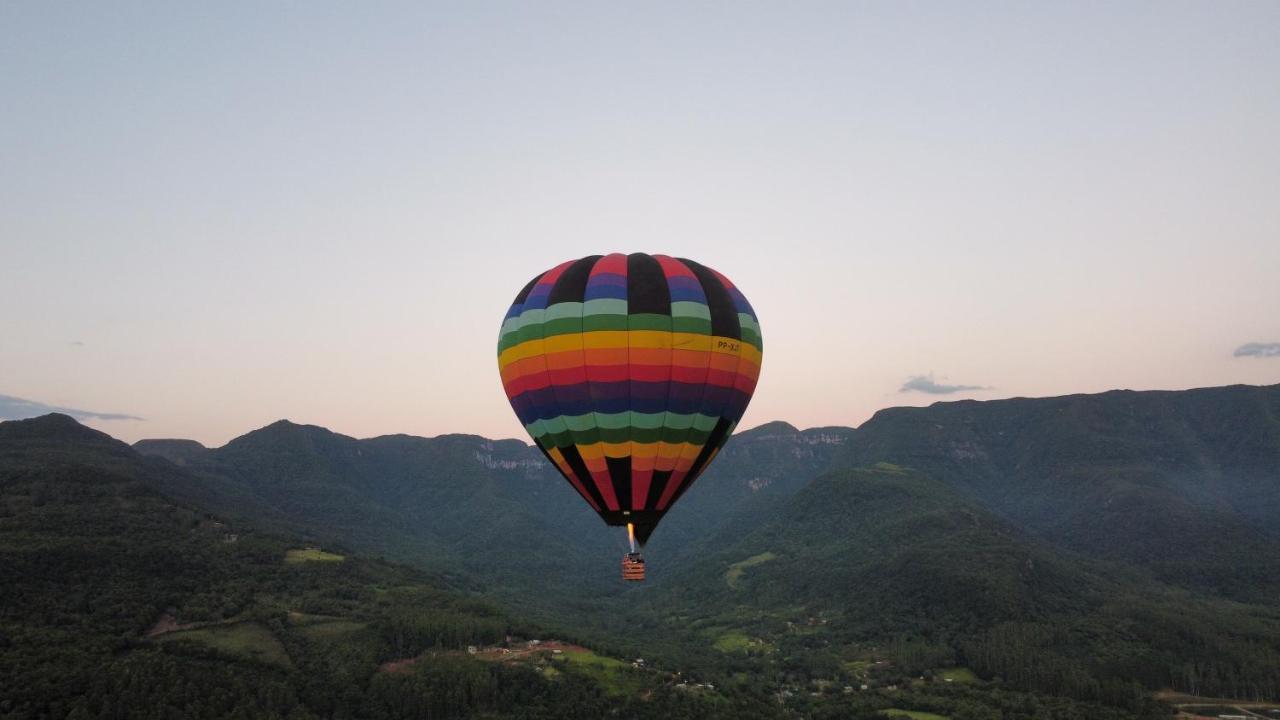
571	286
552	462
644	530
647	290
656	487
724	315
574	459
620	474
715	440
527	289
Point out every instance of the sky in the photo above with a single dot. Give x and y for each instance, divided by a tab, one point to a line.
217	215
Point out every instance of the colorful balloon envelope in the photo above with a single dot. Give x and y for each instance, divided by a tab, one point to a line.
630	372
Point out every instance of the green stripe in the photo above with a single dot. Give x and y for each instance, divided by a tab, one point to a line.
648	321
564	310
623	427
563	318
531	326
604	306
604	322
562	326
687	308
751	330
694	325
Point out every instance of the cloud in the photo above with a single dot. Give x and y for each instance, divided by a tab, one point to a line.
1258	350
926	384
13	408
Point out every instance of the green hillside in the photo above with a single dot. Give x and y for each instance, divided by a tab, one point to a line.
1088	548
120	603
888	558
1183	484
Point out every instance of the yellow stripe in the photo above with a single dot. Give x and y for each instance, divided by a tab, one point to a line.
616	339
595	451
617	450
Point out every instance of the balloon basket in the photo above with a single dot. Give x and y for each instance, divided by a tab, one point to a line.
633	567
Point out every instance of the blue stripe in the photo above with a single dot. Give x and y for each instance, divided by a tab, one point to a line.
685	295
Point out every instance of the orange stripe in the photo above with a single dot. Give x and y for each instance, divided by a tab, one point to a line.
607	356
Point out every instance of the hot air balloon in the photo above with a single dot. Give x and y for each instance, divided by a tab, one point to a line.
630	372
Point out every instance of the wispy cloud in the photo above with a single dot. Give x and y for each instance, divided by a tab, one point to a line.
1258	350
15	408
926	384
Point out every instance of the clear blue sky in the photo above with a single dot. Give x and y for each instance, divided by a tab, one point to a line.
215	215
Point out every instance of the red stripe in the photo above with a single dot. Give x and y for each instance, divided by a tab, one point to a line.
607	373
649	373
672	267
691	375
526	383
673	484
604	484
568	376
721	378
723	280
554	273
615	263
640	481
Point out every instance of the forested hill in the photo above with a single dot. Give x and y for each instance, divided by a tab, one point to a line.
887	557
1181	484
469	507
117	602
1184	484
1065	557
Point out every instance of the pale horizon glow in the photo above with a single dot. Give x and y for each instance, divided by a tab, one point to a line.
214	217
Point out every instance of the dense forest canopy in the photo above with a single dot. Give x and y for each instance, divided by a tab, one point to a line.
1062	557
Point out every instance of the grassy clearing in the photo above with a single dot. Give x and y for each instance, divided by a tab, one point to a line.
311	555
249	640
735	571
958	675
733	642
615	676
913	714
736	641
857	668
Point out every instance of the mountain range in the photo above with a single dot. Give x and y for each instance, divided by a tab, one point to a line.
1088	547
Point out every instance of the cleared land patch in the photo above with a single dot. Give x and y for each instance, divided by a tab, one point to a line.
245	639
735	571
739	642
615	676
311	555
958	675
